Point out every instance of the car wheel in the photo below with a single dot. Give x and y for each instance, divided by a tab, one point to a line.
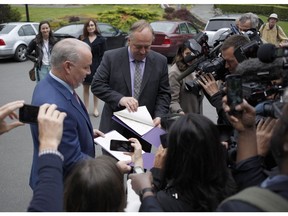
20	53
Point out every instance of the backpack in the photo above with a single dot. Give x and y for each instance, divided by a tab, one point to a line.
261	198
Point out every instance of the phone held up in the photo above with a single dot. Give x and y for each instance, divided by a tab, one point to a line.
234	91
121	145
28	114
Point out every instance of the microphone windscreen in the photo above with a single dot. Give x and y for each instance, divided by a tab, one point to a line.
266	53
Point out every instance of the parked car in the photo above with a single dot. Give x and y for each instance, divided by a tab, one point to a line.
15	37
218	24
169	35
115	37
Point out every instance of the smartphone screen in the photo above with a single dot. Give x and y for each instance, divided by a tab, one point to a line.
28	114
121	145
234	90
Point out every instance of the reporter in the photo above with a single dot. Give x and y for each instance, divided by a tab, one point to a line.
194	176
183	101
278	183
9	110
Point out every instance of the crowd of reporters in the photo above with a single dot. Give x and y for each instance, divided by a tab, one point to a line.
195	172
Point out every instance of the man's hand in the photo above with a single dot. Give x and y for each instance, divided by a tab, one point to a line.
141	181
98	133
264	133
136	156
9	110
243	121
157	122
50	122
160	157
208	83
130	103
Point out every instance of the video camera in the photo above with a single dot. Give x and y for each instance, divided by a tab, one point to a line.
213	62
263	85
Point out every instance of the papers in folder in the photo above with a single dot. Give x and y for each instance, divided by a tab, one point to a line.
141	121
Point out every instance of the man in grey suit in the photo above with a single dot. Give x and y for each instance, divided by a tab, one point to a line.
114	80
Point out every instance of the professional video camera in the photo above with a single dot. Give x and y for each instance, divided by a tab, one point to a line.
263	84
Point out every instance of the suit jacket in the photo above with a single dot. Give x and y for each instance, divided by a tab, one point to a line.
77	140
112	81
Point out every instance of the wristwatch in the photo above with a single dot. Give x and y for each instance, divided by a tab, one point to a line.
138	169
142	192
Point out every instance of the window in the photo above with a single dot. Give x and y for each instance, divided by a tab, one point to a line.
183	28
28	30
192	30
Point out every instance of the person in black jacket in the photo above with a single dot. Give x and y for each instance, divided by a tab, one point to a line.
39	50
277	183
192	175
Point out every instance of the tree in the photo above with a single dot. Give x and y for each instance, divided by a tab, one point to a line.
9	14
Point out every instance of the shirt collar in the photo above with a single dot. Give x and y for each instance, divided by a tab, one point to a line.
61	81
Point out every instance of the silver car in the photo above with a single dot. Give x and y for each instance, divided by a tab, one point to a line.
15	37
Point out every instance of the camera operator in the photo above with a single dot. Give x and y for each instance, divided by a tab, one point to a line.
183	101
212	90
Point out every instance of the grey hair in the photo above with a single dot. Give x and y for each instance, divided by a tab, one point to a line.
67	50
139	26
250	16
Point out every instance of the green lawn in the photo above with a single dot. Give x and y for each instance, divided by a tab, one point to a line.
58	13
38	13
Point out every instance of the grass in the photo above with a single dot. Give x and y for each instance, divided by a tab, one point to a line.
60	13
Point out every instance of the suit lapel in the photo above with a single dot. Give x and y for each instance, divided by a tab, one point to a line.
67	94
125	64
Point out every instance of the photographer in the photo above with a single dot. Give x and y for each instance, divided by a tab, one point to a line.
212	90
183	101
276	184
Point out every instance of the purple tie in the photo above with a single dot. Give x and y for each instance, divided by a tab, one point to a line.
76	96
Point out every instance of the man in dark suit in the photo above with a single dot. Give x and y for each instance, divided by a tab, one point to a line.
70	61
114	80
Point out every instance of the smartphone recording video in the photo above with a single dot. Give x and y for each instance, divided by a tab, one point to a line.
234	91
121	145
28	114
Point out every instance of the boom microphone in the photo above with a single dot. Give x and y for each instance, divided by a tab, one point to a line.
255	70
268	53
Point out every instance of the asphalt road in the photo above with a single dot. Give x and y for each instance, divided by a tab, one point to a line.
16	147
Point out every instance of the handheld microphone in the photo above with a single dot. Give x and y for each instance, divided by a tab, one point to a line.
268	53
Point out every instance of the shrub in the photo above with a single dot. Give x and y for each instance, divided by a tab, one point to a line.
9	14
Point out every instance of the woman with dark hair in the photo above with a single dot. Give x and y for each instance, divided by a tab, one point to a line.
194	176
92	36
95	185
183	101
42	46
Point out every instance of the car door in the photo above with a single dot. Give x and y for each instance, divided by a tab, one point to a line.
27	33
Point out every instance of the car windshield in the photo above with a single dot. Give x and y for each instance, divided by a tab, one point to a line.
214	25
5	29
162	27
